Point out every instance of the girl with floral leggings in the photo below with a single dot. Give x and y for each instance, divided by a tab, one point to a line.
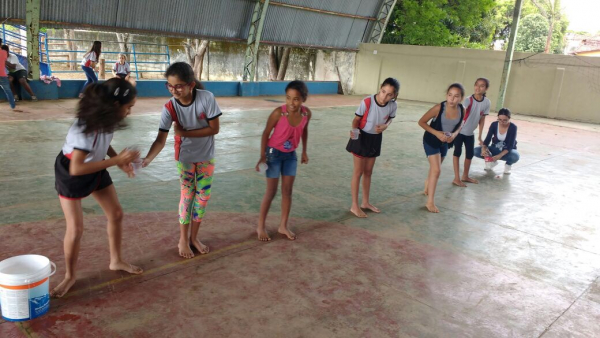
195	114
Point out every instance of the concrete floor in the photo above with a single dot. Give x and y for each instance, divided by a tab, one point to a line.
515	256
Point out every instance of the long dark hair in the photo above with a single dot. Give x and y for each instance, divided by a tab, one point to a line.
96	48
184	72
457	86
300	86
100	108
394	83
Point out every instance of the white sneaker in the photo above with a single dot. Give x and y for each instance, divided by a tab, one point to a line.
507	169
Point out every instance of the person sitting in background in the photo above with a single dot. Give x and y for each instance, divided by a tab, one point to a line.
121	69
17	75
503	136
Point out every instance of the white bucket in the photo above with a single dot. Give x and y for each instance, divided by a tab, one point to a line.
24	287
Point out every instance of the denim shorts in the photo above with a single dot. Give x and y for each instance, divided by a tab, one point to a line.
281	163
442	150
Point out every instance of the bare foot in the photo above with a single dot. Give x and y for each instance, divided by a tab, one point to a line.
262	235
358	213
62	288
122	266
425	192
371	207
470	180
432	208
203	249
286	232
184	250
459	184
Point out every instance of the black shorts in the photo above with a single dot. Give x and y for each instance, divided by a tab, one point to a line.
367	145
468	141
122	76
77	187
19	74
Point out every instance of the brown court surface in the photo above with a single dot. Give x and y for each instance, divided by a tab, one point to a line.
515	256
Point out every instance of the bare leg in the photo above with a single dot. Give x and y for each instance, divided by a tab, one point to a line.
265	205
359	168
203	249
24	83
287	185
456	165
435	162
185	250
109	202
72	242
465	176
367	173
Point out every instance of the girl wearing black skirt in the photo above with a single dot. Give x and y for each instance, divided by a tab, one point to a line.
373	116
80	171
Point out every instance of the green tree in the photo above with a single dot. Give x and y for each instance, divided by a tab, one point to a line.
441	23
557	25
532	35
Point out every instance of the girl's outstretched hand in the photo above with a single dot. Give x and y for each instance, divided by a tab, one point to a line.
126	156
127	168
145	162
304	158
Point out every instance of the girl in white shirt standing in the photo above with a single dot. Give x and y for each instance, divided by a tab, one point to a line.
89	63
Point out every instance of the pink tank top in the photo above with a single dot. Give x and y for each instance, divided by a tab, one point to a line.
285	138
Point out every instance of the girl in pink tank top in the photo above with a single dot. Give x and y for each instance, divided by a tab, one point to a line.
289	124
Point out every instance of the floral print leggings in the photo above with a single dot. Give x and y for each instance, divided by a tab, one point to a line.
196	180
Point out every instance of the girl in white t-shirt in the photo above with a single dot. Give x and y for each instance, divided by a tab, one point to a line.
90	59
80	171
121	69
195	114
374	115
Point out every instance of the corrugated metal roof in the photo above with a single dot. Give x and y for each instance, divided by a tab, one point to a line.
215	19
356	7
295	26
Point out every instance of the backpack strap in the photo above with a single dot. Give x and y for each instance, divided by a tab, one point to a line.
363	120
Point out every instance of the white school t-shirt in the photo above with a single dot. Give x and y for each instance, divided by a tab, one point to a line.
89	58
121	68
377	114
478	109
95	144
12	58
194	116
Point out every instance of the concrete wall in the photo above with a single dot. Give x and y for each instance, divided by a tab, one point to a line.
554	86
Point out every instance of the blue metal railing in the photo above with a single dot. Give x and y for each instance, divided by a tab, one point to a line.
9	37
134	61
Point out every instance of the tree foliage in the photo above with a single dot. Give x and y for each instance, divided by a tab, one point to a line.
440	23
533	31
468	23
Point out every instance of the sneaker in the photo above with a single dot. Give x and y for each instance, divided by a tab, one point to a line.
507	169
16	98
34	98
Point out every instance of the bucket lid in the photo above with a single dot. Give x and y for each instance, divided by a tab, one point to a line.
24	269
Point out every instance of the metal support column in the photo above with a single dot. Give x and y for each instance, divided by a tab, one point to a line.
32	22
509	54
382	20
256	27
